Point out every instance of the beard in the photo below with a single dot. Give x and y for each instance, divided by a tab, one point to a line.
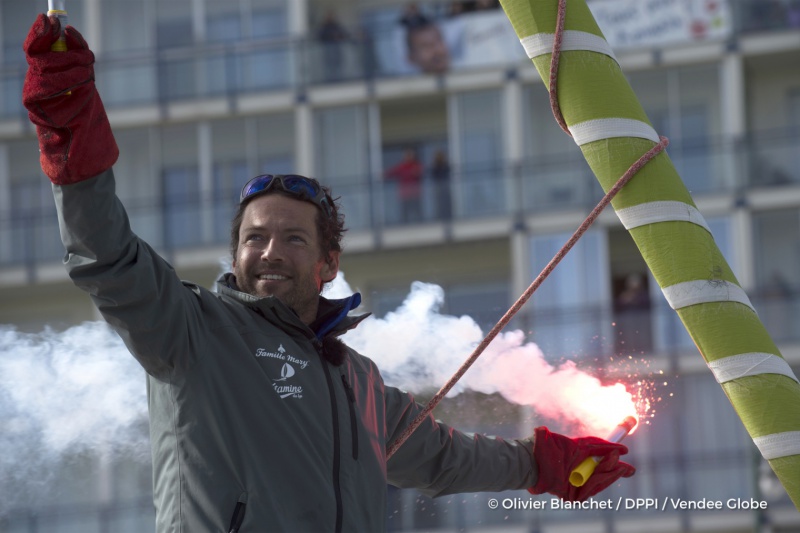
300	291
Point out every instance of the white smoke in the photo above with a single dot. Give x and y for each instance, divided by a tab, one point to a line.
80	391
418	348
63	395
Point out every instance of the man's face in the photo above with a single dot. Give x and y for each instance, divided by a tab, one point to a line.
279	253
428	50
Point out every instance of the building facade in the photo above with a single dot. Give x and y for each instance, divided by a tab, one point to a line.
203	94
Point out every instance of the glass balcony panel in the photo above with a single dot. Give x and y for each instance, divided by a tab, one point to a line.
182	208
390	200
556	186
174	24
147	221
178	79
328	62
228	181
220	70
128	83
269	19
776	160
8	240
357	204
266	69
48	239
223	27
11	95
482	191
780	314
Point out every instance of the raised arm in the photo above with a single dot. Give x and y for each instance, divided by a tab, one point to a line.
137	292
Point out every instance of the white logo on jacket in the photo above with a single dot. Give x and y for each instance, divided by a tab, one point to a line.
281	354
288	370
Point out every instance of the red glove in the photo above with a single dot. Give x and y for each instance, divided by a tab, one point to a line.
75	139
557	456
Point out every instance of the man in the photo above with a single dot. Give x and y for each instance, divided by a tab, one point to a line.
427	48
260	418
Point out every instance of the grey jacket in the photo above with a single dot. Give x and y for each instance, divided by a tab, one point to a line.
251	428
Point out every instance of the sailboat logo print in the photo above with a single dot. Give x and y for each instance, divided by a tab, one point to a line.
287	371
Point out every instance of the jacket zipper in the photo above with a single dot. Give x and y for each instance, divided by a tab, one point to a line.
337	489
238	517
353	426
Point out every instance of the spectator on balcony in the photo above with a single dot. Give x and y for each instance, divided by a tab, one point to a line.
440	175
332	36
455	8
767	15
634	294
481	5
412	17
408	175
633	316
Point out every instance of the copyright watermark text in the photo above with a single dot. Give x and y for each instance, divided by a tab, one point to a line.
627	504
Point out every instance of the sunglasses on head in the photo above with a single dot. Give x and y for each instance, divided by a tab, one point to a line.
296	185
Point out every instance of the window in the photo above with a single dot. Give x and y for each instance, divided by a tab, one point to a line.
555	172
133	36
174	23
342	155
571	313
180	186
35	234
717	447
483	186
275	144
229	177
229	142
269	21
682	104
776	240
33	228
181	206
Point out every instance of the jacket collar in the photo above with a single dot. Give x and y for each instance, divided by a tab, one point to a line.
332	315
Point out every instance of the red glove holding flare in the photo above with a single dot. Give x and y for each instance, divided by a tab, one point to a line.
557	456
75	139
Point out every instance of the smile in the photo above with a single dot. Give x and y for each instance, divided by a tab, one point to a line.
272	277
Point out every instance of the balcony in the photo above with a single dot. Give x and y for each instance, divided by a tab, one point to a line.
767	161
256	65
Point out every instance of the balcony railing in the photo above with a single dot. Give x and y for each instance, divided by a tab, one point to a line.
29	235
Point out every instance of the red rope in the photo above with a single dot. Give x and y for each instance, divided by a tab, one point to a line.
555	57
503	322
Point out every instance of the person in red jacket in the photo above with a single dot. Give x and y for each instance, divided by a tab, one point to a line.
408	174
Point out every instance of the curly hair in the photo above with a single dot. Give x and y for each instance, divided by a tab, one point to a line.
329	227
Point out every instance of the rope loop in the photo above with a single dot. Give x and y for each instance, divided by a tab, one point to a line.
555	57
